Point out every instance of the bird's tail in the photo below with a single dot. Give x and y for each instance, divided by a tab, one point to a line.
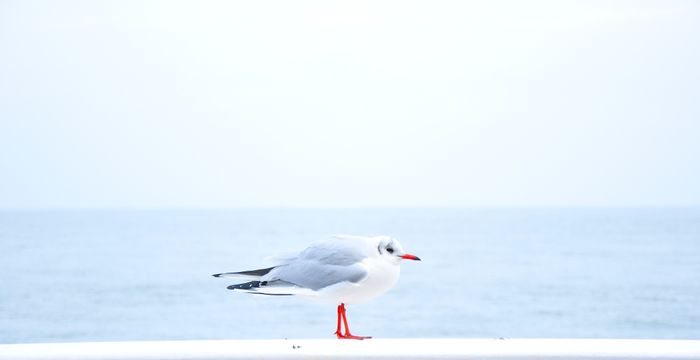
260	282
274	287
252	275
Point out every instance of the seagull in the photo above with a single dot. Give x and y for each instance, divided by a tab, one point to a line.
341	269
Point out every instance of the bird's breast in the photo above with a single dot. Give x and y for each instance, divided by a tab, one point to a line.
381	276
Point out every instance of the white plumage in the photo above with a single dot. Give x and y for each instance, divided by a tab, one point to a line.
342	269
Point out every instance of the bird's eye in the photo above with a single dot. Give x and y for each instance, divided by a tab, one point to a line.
390	250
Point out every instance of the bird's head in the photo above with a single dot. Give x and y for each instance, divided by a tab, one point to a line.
391	249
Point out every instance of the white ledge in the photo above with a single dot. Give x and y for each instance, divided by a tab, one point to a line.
550	349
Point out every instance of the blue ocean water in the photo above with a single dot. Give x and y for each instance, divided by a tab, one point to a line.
529	272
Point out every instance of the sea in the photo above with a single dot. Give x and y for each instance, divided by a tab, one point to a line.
116	275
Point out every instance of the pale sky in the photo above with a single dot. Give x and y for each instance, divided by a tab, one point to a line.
349	104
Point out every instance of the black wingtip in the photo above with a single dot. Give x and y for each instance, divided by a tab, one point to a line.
258	272
248	285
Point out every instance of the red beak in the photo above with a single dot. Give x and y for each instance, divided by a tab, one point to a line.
410	257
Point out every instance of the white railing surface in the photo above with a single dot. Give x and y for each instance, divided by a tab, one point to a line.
550	349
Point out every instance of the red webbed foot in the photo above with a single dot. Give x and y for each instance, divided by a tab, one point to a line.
353	337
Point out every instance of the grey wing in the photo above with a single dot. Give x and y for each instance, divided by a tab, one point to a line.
338	250
316	275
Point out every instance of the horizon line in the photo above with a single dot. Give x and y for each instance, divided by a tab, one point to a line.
430	207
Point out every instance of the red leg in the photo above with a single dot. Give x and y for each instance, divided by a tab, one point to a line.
347	335
337	331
